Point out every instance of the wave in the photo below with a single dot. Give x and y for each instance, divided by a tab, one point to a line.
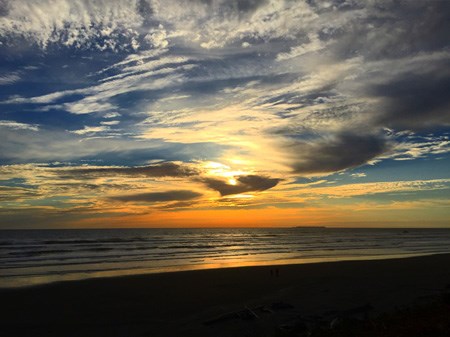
65	252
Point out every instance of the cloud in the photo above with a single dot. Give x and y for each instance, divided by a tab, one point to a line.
177	206
111	115
110	122
147	64
19	126
10	194
7	79
415	101
148	75
90	130
157	37
46	146
166	169
95	24
411	146
86	106
240	184
119	25
245	183
268	88
362	189
314	44
176	195
336	153
395	30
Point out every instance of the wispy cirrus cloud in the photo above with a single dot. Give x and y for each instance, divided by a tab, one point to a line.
18	126
164	169
6	79
81	24
364	189
97	97
90	130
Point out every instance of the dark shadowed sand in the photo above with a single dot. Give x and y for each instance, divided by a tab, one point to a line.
247	301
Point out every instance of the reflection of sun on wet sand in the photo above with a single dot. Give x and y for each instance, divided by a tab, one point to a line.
248	301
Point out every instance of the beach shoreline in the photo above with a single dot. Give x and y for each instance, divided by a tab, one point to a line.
38	280
196	303
31	258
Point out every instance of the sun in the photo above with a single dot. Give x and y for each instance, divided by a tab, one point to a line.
232	181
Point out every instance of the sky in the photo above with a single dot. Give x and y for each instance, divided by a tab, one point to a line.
152	113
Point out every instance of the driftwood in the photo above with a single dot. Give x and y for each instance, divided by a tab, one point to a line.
248	313
245	314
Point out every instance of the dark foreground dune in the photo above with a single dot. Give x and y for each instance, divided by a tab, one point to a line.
246	301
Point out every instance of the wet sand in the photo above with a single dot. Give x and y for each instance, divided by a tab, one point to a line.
245	301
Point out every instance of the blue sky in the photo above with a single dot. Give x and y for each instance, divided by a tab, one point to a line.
158	113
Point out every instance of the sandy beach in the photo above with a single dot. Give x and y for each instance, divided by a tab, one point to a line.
246	301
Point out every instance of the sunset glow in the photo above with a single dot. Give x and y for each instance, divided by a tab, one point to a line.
136	113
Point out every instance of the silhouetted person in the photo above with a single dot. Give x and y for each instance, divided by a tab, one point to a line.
271	272
277	272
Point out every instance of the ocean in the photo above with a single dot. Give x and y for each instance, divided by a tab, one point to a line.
30	257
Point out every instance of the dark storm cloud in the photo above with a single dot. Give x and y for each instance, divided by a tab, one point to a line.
4	8
342	152
391	29
385	32
414	26
415	101
144	8
176	195
244	184
167	169
246	6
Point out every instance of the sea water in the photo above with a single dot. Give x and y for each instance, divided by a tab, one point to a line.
40	256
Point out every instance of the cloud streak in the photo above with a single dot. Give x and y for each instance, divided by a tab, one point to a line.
19	126
151	197
337	153
167	169
243	184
